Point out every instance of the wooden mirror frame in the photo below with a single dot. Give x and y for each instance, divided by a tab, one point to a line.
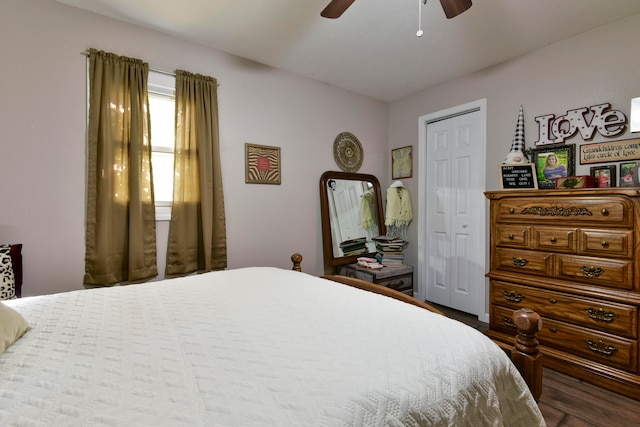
329	257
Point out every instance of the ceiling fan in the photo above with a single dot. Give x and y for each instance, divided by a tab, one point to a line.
452	8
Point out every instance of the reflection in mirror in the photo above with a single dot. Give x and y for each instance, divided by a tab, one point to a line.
351	215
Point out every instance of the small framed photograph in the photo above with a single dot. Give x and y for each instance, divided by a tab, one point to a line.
402	162
604	176
553	162
262	164
629	174
518	176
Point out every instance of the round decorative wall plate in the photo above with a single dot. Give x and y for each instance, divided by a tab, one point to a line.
347	152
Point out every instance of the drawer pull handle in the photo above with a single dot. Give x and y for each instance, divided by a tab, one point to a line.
511	210
604	243
601	347
553	330
553	300
553	240
510	236
591	271
507	321
605	211
601	315
519	262
396	285
512	296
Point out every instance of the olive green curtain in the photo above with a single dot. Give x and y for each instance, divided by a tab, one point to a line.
120	221
197	232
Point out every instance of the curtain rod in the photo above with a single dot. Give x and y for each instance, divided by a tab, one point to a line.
155	70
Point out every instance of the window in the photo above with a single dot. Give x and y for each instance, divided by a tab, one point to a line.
161	88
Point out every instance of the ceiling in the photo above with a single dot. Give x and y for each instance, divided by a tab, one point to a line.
372	49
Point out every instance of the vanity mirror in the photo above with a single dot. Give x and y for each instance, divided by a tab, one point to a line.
351	208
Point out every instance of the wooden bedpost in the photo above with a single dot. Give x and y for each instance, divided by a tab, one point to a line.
296	259
525	353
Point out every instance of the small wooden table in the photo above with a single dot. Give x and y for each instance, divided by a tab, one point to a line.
397	277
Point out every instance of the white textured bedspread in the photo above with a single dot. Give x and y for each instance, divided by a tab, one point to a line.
252	347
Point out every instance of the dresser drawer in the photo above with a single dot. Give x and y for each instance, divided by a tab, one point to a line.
512	235
605	316
612	211
523	261
595	271
590	344
593	345
611	243
557	239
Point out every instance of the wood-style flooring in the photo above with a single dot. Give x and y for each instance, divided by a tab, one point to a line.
570	402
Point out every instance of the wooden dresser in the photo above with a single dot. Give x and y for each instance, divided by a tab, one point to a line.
396	277
574	257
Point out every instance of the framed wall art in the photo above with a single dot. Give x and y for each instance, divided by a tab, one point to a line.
553	162
262	164
402	162
604	176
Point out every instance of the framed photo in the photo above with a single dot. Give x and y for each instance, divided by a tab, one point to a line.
262	164
402	162
629	174
518	176
604	176
553	162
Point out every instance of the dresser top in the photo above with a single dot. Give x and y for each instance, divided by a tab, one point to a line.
578	192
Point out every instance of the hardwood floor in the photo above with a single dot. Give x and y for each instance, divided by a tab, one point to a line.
570	402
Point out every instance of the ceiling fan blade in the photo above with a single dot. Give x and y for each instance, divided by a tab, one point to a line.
336	8
453	8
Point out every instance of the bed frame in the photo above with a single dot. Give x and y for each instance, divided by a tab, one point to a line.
524	353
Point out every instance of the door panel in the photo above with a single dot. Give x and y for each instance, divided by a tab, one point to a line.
455	271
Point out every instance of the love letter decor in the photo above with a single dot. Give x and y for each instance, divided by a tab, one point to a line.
554	130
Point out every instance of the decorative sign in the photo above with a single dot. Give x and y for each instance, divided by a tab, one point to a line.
518	176
615	151
552	130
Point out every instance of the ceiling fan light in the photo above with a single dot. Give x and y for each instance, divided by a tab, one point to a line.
453	8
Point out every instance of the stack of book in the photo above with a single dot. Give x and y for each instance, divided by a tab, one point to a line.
371	263
354	246
389	250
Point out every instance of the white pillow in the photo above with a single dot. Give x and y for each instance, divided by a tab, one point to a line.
12	327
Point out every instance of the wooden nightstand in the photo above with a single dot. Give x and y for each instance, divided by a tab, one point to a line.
397	277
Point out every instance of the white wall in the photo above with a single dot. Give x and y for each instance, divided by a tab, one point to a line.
599	66
42	120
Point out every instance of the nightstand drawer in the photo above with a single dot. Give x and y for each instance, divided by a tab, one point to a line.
524	261
610	243
399	283
396	277
605	316
595	271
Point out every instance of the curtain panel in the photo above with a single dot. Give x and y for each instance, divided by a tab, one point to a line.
120	219
197	232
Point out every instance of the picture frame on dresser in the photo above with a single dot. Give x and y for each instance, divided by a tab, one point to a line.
629	174
557	161
604	176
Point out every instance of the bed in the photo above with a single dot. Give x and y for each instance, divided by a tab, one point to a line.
255	346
